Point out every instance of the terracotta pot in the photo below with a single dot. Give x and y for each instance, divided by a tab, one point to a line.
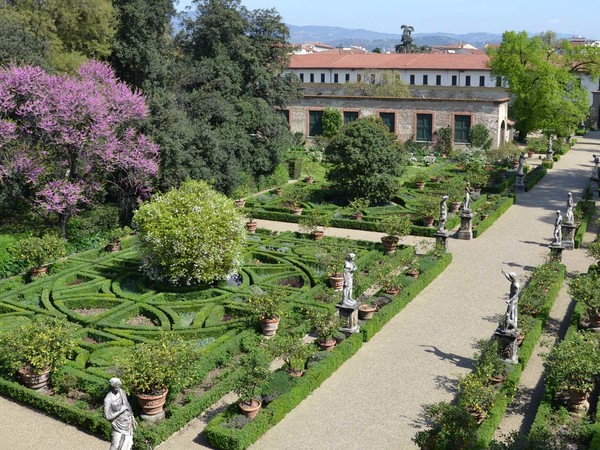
420	185
515	163
251	227
336	281
530	154
393	290
357	216
520	339
413	273
389	243
152	404
366	311
327	344
309	180
277	191
595	321
250	410
38	271
479	416
240	203
32	380
428	221
113	247
497	379
454	206
484	216
296	211
578	400
317	235
295	373
435	179
269	326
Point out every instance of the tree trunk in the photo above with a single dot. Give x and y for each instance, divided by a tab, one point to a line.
62	224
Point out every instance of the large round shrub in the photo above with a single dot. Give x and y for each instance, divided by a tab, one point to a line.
364	161
189	235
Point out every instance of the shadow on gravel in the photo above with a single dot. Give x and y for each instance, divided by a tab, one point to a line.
457	360
539	244
447	384
525	268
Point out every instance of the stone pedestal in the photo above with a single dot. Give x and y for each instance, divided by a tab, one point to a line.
568	235
556	251
441	238
520	183
154	418
508	348
466	228
594	186
348	318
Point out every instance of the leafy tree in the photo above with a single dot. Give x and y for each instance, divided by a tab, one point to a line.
406	44
75	29
190	235
387	84
18	45
545	93
332	122
364	160
71	139
479	137
443	140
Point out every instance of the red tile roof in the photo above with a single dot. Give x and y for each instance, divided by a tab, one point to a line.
415	61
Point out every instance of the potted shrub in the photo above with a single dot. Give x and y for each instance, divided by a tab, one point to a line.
366	311
254	369
292	351
309	168
419	179
395	227
427	207
571	368
315	223
332	259
357	208
251	224
35	349
266	306
36	253
413	268
239	193
293	196
585	288
476	396
325	323
114	238
151	368
455	189
279	178
488	363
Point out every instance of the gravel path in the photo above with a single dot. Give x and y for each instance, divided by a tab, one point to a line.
374	400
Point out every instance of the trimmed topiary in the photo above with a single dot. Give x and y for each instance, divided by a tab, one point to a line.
190	235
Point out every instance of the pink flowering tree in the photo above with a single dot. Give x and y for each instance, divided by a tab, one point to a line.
73	139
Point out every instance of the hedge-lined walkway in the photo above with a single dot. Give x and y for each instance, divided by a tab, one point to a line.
374	399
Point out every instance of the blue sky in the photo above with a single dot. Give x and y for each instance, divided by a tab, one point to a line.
581	17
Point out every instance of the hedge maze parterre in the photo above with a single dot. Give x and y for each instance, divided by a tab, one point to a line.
115	306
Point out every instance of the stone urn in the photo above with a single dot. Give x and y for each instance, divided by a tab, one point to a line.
32	380
578	401
389	243
327	344
269	326
454	206
250	410
152	404
366	311
336	281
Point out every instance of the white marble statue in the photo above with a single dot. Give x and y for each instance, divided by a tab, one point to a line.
569	216
512	302
467	203
443	215
557	229
118	411
349	269
521	163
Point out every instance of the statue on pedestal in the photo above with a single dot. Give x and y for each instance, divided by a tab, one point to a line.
443	215
569	217
557	228
118	411
349	269
521	163
595	169
512	302
467	203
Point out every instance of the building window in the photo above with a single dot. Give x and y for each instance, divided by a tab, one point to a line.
468	80
425	80
286	114
350	116
462	126
498	81
438	80
424	127
372	78
454	80
302	78
412	79
315	123
347	78
389	120
322	78
336	78
358	78
312	77
482	80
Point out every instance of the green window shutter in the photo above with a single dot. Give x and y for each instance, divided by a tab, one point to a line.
350	116
315	123
424	131
462	126
389	120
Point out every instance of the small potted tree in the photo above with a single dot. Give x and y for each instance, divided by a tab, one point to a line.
488	363
427	207
476	396
419	179
325	323
455	189
250	223
293	196
395	227
36	348
114	238
266	306
36	253
292	351
151	368
279	178
315	223
309	168
331	259
413	269
357	208
254	369
239	193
